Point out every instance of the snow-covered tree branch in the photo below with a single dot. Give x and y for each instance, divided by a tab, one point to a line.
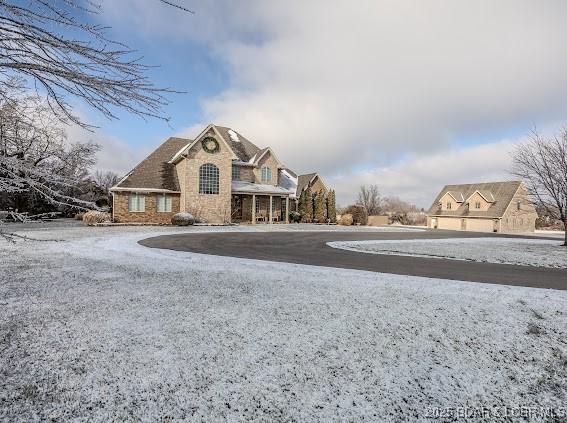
542	164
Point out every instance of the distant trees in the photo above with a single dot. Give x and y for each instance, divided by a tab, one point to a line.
541	162
369	198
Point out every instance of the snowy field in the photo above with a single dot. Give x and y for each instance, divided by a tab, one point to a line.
96	327
520	251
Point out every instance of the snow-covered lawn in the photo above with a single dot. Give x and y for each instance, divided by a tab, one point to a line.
520	251
100	328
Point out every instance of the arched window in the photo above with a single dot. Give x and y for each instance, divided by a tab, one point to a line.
208	179
266	174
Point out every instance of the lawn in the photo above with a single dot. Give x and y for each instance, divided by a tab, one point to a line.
96	327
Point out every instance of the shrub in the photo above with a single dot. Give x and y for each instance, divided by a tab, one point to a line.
346	219
182	219
294	217
359	215
79	216
93	216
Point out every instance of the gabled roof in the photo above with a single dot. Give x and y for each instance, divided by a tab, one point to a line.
501	194
155	172
243	148
303	181
457	196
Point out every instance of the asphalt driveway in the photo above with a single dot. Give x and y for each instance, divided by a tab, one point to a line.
310	248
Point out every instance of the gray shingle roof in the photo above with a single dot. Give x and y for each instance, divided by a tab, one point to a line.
501	192
244	149
154	172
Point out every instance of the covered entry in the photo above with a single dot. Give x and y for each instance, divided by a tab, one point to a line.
259	203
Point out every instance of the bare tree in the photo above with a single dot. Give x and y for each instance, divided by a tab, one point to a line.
105	180
542	164
53	44
35	154
369	197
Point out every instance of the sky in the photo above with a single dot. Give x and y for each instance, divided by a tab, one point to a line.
408	95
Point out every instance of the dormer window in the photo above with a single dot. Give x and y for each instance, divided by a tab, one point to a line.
266	174
477	205
449	206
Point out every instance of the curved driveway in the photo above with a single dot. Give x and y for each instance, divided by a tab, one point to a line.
310	248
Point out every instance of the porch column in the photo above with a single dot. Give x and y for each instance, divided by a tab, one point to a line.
287	210
270	214
253	209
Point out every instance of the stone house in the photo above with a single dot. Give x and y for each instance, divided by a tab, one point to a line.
484	207
219	177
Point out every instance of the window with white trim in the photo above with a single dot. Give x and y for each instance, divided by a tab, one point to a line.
477	205
136	203
236	173
257	205
273	205
449	206
208	179
266	174
163	203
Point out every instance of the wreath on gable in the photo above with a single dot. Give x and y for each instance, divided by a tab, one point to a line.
210	145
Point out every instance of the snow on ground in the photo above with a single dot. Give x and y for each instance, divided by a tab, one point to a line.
99	328
520	251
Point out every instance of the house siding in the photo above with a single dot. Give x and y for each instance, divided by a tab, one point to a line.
208	208
270	161
121	214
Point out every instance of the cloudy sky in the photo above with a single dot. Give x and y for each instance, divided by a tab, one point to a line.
409	95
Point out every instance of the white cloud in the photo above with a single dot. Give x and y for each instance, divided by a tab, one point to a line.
114	155
421	177
333	86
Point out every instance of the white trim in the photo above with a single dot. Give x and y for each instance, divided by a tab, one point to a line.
165	191
273	154
188	147
322	181
453	197
480	193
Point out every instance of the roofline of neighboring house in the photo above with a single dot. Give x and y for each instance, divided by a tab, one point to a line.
464	217
480	193
457	200
161	190
321	179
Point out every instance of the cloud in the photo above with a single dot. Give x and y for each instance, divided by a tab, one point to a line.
337	86
115	155
421	177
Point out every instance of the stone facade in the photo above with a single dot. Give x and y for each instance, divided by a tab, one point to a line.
150	215
175	168
271	162
209	208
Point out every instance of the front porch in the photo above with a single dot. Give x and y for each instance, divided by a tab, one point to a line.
259	208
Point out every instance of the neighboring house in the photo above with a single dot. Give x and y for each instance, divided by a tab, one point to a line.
219	177
314	182
485	207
